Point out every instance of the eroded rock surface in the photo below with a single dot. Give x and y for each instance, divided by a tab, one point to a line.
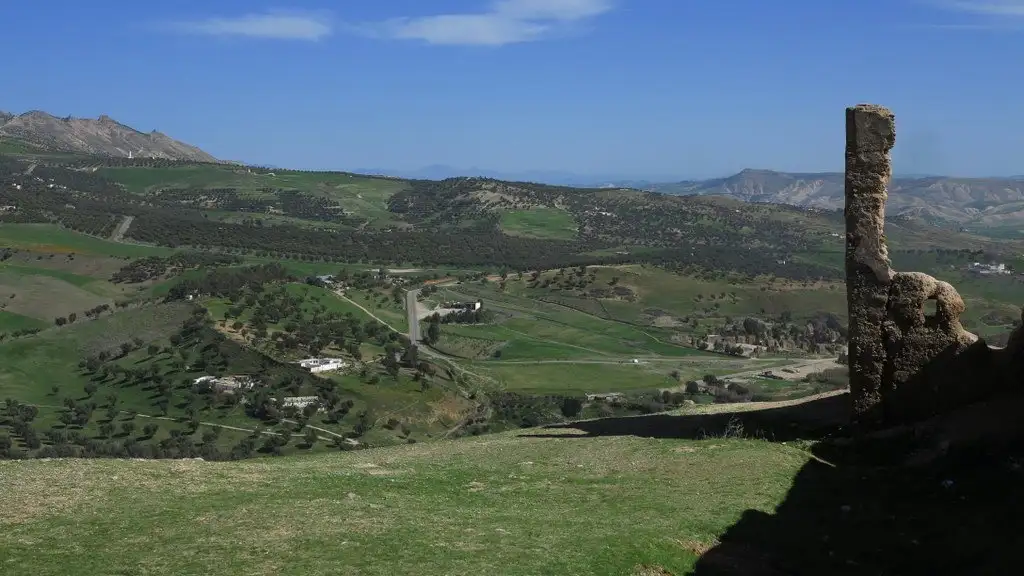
870	136
905	365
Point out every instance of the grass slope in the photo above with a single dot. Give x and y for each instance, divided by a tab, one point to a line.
30	366
357	194
52	239
44	297
9	322
499	504
539	222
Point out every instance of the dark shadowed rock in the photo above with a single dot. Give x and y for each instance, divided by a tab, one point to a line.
870	135
905	366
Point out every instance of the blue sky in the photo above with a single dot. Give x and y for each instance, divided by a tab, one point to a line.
684	88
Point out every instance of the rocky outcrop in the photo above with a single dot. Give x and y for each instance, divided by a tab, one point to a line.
103	136
905	365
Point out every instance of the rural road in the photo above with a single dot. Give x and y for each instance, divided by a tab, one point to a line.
425	350
212	424
411	312
122	228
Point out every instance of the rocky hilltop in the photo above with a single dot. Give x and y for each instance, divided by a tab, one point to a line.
990	201
103	136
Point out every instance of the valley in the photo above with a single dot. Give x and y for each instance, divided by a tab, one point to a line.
483	343
136	277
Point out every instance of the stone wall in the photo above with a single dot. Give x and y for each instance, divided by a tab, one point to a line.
905	365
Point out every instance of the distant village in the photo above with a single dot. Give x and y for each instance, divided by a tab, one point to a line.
989	269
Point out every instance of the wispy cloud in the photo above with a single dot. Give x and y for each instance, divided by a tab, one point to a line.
982	14
274	25
987	7
503	22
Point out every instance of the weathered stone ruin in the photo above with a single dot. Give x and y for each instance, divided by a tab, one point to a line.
905	366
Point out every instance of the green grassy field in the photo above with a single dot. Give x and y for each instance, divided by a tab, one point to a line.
544	347
32	365
52	239
9	322
540	222
499	504
44	297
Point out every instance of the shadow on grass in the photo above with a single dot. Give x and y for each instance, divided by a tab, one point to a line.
866	507
814	420
962	513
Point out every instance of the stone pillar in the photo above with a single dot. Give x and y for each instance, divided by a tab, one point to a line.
870	135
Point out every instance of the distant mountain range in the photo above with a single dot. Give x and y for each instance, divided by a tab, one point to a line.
554	177
986	202
103	136
937	199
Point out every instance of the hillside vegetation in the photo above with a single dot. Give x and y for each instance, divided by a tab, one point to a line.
130	278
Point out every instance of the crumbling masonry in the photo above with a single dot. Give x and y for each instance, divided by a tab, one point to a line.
905	366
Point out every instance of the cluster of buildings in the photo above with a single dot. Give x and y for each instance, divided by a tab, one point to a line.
987	269
322	364
226	383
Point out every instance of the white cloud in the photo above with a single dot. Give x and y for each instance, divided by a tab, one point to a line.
505	22
981	15
276	25
987	7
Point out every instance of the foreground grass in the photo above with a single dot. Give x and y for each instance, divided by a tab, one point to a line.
499	504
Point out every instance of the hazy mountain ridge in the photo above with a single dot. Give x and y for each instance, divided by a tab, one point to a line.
552	177
102	136
990	201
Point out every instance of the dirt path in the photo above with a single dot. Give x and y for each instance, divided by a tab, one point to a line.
31	167
318	429
755	406
122	229
798	369
212	424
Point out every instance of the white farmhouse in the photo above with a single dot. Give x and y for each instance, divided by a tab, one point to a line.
322	364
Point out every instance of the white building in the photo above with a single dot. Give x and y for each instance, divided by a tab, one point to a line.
225	384
989	268
322	364
300	402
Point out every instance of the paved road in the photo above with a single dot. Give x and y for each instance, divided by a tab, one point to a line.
423	349
122	228
411	312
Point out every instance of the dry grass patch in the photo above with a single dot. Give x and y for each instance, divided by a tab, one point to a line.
44	297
